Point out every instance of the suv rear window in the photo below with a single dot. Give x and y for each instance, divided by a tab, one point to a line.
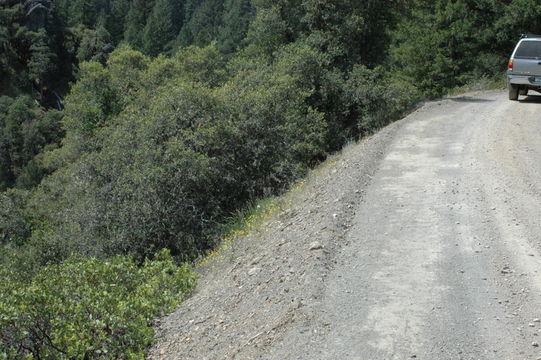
528	50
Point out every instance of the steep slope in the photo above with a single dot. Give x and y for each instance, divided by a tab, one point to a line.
419	242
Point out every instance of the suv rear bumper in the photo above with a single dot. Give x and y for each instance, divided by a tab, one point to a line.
524	80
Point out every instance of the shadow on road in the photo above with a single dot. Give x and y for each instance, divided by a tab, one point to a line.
531	99
470	99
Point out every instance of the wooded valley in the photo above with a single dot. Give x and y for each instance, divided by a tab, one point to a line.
132	131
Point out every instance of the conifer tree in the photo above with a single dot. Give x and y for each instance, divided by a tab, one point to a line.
203	24
136	20
14	115
235	21
83	12
116	20
162	26
13	47
438	40
92	43
41	63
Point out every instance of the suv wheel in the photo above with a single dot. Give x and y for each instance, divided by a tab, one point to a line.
513	92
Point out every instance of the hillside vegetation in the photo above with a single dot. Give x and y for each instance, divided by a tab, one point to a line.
129	126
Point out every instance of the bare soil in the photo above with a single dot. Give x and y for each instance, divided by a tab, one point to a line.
422	241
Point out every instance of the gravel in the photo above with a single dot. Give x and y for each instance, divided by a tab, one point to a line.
421	241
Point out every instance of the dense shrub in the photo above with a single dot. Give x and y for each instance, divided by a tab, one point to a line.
88	308
158	152
25	131
14	226
375	98
169	167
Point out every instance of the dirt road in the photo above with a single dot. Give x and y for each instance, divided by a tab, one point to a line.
421	242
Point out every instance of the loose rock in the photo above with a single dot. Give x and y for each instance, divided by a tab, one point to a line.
253	271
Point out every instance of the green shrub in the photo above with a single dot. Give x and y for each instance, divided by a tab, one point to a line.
191	149
88	308
375	99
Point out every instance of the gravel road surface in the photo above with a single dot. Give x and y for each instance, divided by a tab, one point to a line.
421	242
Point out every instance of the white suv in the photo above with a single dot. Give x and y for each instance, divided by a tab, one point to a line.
524	69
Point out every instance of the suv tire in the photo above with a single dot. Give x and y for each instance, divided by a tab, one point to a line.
513	92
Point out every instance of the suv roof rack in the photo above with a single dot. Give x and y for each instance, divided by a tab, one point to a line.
527	36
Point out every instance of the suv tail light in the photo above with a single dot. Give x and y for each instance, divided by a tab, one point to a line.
510	65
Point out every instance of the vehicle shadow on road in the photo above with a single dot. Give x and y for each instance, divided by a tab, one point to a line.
531	99
470	99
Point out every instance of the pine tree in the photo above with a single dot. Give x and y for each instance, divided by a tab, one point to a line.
276	24
6	72
190	7
13	47
162	27
83	12
41	63
116	21
185	36
202	23
15	115
437	42
92	43
206	22
136	20
237	16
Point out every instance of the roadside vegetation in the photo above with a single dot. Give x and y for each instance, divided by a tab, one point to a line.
132	126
